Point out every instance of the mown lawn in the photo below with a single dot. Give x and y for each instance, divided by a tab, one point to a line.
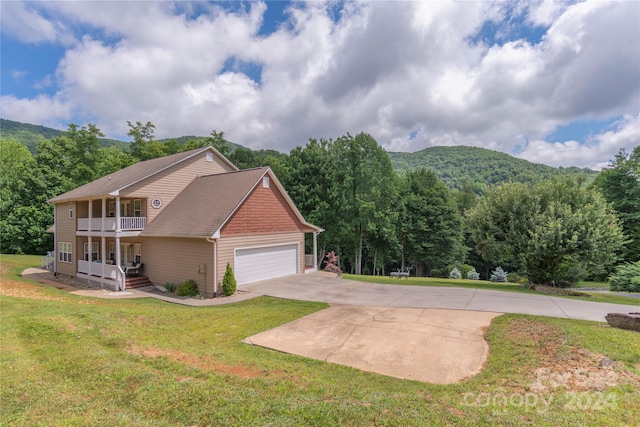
493	286
74	361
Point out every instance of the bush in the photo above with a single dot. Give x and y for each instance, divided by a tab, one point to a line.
626	278
473	275
187	289
229	282
440	272
171	287
498	275
513	277
455	273
465	269
331	263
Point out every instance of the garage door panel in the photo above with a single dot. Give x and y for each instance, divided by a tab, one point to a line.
255	264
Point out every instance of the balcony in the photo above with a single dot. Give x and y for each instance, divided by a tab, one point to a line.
127	223
96	269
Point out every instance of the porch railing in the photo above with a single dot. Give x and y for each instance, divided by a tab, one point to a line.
95	269
127	223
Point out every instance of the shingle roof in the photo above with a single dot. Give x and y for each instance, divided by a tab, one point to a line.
208	202
203	207
123	178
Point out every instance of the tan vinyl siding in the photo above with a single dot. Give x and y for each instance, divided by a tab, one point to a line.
167	184
227	246
66	232
175	260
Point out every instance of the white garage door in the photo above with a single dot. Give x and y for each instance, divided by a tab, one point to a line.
257	264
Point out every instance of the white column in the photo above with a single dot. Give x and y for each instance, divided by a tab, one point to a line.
90	218
104	213
103	250
118	229
315	249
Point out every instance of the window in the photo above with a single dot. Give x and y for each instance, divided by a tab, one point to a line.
156	203
137	253
65	251
71	206
265	182
137	208
94	251
209	156
112	251
112	209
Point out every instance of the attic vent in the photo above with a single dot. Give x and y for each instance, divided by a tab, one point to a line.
209	156
265	182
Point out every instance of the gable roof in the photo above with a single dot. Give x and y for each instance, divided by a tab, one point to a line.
112	184
207	204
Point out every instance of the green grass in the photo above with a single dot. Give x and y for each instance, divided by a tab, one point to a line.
484	284
72	361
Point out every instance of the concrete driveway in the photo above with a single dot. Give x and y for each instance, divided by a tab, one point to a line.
326	287
430	334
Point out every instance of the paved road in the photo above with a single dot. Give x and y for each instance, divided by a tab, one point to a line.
323	288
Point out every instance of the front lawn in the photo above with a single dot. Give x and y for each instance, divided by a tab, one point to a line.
73	361
485	284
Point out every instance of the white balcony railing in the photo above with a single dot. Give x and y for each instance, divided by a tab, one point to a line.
96	269
127	223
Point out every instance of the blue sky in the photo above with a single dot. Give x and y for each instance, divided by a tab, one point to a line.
552	82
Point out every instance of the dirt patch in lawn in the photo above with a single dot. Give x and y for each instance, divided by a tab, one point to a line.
201	362
565	366
19	289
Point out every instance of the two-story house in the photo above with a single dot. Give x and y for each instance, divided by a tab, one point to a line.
181	217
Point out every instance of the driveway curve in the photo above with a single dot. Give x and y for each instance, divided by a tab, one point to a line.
323	287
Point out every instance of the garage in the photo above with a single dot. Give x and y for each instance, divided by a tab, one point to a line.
255	264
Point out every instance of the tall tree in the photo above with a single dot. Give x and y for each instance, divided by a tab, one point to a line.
143	146
367	181
430	226
550	229
619	183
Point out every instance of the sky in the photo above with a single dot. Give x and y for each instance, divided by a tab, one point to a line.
556	83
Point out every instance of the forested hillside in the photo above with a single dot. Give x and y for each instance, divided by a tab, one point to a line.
30	135
477	165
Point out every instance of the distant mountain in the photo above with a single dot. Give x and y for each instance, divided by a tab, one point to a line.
478	165
30	135
452	164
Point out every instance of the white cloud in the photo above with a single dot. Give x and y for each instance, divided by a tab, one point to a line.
390	69
594	154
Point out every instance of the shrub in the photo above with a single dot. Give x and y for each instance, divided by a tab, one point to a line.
440	272
229	282
626	278
498	275
473	275
171	287
187	289
513	277
465	269
455	273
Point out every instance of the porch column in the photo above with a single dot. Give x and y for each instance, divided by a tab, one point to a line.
315	249
103	250
104	213
118	229
90	219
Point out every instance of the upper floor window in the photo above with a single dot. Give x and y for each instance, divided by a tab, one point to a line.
71	206
265	182
209	156
137	208
112	209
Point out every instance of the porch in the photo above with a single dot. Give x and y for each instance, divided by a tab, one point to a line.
109	224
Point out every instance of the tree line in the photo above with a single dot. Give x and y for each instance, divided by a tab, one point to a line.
376	220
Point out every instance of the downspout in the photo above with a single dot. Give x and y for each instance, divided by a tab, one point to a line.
55	240
215	266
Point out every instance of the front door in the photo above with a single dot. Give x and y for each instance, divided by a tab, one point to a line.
125	208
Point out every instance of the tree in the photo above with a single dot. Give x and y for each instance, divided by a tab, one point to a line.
366	181
218	141
551	230
430	226
143	146
229	282
619	183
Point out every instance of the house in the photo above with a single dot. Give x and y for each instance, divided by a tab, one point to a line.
181	217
